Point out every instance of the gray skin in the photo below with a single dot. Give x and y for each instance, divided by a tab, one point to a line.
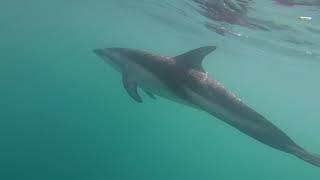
182	79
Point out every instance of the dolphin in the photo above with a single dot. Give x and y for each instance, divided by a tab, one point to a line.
183	79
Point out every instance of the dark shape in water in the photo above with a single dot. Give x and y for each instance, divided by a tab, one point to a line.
236	12
298	2
284	2
183	79
221	11
227	11
221	30
217	28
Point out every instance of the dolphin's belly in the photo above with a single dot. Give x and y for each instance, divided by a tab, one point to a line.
229	115
206	104
236	114
149	81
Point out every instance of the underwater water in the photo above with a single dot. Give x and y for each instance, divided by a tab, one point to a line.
64	113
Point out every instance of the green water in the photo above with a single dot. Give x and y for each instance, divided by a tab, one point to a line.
65	114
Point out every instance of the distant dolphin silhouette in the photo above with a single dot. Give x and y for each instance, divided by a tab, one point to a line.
182	79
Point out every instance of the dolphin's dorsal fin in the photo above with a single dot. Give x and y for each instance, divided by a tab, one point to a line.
131	88
194	58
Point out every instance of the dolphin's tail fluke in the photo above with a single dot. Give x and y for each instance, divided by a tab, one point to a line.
313	159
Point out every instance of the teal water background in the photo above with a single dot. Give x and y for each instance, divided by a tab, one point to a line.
65	115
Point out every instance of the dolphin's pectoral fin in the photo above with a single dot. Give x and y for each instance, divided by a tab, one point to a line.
131	88
194	58
150	94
